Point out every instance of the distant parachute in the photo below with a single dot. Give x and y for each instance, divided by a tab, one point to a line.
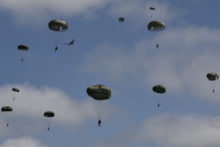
160	89
156	26
212	77
121	19
15	89
6	109
49	114
152	8
58	25
100	94
22	47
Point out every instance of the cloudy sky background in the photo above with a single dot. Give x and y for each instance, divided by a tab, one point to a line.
121	56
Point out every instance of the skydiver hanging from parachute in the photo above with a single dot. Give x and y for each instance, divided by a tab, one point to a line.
49	114
57	26
99	93
212	77
22	47
160	90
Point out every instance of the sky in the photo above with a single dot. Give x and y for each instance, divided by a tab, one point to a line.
122	56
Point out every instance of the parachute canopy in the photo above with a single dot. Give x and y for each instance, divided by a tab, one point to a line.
22	47
156	26
49	114
99	92
152	8
15	89
58	25
121	19
159	89
212	76
6	109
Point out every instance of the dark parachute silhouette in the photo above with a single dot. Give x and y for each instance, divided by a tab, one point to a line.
212	77
49	114
16	90
160	90
155	26
22	48
99	93
121	19
6	109
57	25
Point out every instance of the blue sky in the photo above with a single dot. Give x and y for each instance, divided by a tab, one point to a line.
121	56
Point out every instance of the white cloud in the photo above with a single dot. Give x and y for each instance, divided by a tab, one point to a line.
39	9
182	131
22	142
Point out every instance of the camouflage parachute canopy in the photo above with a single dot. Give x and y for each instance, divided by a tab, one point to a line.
156	26
49	114
212	76
99	92
6	109
15	89
152	8
58	25
22	47
121	19
159	89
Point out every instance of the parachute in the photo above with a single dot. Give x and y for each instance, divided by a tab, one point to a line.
212	77
160	90
49	114
100	94
7	109
58	25
152	8
22	47
15	89
156	26
121	19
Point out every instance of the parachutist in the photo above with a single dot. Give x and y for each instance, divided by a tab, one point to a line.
71	42
157	45
213	90
56	48
22	59
13	99
158	105
48	128
7	125
99	123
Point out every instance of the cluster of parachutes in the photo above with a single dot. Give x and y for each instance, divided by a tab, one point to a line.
100	92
